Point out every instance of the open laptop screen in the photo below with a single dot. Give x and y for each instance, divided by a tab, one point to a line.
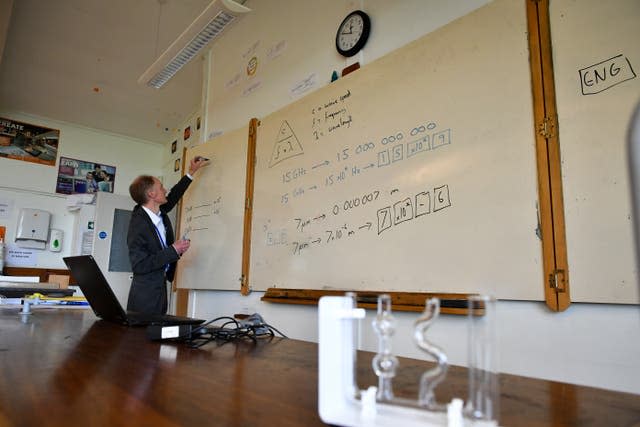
95	288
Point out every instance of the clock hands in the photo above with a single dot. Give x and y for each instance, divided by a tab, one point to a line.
353	33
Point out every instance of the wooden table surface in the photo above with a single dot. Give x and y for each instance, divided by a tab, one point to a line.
63	367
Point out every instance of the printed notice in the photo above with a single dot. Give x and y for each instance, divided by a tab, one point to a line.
5	208
304	85
15	256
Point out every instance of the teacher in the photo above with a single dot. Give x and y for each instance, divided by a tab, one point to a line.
152	250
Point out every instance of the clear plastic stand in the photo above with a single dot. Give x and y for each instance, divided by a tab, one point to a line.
340	402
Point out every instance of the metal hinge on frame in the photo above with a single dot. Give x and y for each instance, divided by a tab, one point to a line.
547	128
557	280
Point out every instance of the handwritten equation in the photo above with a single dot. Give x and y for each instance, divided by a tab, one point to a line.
287	145
411	208
331	116
392	215
327	117
358	160
197	217
373	212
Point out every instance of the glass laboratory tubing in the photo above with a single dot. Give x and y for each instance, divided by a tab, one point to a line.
484	395
434	376
384	363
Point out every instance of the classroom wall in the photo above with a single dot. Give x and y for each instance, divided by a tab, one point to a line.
181	139
172	160
297	48
28	185
5	16
589	344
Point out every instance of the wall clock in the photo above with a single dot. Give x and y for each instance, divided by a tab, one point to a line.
353	33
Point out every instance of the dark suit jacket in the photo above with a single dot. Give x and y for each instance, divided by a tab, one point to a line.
148	293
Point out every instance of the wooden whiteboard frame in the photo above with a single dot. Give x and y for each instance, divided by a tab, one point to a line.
552	222
248	206
400	301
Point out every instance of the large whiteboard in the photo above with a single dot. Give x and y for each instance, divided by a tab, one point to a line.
415	173
596	59
212	213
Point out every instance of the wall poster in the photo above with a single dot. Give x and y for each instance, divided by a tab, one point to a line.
79	177
29	143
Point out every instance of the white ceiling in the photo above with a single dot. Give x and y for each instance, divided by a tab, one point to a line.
78	61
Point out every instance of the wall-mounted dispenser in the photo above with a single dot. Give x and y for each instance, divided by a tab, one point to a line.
33	228
55	240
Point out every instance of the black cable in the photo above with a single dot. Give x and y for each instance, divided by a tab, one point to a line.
274	329
202	326
225	334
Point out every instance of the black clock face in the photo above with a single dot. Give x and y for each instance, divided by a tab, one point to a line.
353	33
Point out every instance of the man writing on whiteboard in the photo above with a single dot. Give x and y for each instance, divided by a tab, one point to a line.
152	250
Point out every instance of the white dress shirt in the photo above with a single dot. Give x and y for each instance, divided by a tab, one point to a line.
158	224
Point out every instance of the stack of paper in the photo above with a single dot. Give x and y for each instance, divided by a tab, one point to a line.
19	279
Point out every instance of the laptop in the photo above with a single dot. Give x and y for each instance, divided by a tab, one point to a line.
103	301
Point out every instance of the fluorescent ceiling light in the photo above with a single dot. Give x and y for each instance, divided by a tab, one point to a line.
209	25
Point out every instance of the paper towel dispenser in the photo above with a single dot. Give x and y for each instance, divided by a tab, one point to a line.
33	228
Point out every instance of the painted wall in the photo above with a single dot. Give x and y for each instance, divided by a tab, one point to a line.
589	344
187	135
6	7
28	185
299	46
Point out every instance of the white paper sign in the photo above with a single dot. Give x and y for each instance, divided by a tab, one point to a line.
5	207
276	50
15	256
233	81
251	88
304	85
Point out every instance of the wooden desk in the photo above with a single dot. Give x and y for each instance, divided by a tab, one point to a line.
65	368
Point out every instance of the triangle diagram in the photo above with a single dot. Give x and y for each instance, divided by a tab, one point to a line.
286	146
